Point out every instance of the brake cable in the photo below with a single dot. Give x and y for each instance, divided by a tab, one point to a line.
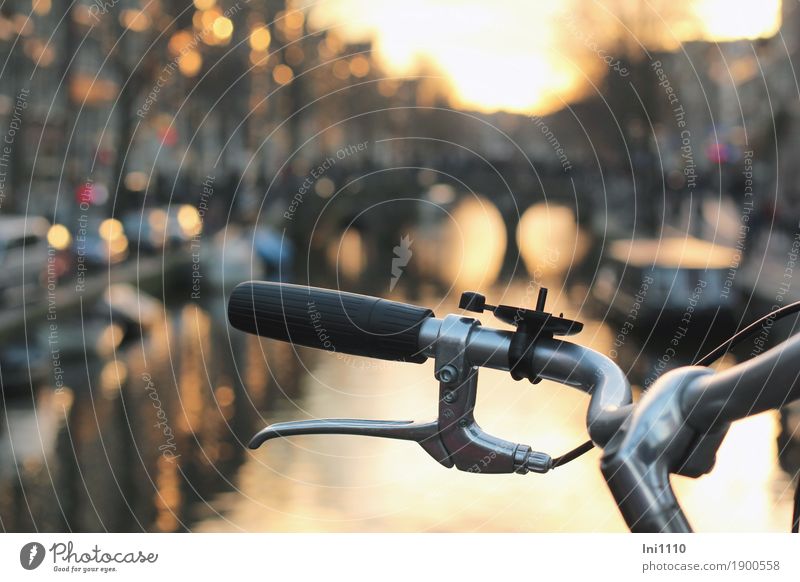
735	339
710	358
573	454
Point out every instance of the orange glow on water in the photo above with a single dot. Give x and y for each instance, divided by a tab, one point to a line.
549	240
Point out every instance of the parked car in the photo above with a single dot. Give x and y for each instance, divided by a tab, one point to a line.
23	259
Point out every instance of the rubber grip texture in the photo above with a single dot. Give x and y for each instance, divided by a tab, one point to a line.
330	320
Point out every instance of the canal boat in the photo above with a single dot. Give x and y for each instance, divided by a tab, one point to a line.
670	284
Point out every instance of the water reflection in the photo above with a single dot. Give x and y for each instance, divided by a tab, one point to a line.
143	432
452	241
549	240
148	431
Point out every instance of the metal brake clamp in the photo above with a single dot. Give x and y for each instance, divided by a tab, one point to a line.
454	438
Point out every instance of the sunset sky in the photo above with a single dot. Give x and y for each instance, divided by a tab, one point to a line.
522	56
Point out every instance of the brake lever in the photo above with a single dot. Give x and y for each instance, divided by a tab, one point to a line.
454	438
423	433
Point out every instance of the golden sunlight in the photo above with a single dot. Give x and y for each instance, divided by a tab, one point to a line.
735	19
526	57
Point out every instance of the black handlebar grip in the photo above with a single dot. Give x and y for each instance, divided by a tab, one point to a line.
329	320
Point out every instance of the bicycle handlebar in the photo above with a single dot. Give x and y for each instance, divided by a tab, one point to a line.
676	427
369	326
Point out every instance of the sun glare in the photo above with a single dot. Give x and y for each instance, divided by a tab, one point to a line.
735	19
519	56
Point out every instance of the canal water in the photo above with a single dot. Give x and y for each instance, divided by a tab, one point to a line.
147	433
